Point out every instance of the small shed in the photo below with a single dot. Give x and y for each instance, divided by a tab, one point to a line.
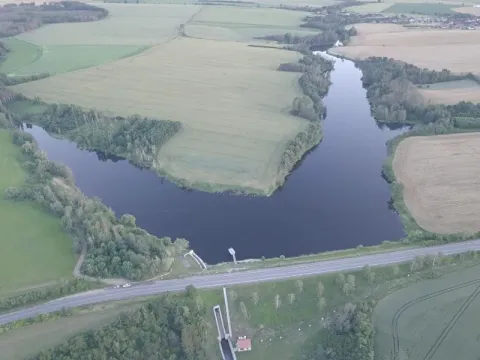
244	344
338	43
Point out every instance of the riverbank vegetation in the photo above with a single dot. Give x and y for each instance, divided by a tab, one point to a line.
35	249
115	247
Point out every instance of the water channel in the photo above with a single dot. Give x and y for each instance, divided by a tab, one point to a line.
334	199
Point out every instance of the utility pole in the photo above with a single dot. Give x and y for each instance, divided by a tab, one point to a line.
232	252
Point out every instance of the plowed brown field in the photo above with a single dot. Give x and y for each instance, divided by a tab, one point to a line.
441	180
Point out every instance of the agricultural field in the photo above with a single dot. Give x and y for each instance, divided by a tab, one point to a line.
433	319
27	59
369	8
127	24
451	92
241	122
455	50
469	10
440	175
35	249
244	23
421	8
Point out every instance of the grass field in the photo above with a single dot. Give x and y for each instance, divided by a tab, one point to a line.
28	59
35	250
451	92
434	319
27	341
369	8
421	8
440	179
244	23
455	50
127	24
232	102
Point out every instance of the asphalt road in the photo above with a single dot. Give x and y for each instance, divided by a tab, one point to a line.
236	278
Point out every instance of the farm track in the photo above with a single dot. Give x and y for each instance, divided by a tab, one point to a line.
448	328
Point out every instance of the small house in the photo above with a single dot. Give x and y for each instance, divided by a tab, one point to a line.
244	344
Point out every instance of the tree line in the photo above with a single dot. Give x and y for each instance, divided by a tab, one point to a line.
173	327
393	95
16	19
135	138
115	247
62	289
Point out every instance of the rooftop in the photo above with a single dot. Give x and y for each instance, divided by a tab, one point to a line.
244	343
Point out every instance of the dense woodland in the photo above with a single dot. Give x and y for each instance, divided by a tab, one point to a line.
173	327
349	335
135	138
392	92
16	19
115	247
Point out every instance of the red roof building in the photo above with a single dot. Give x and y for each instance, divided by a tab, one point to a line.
244	344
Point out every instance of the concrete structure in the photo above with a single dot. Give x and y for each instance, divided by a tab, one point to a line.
232	252
227	310
244	344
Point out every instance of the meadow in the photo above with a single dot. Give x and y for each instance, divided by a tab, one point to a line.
241	123
451	92
35	249
439	177
455	50
434	319
244	23
28	59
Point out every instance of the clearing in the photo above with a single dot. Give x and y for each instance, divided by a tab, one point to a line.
451	92
433	319
35	249
440	179
244	23
455	50
241	123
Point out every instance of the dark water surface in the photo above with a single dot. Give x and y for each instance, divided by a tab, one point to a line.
335	199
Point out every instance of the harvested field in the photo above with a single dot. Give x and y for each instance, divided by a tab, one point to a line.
469	10
421	8
451	92
127	24
433	319
233	104
369	8
440	179
455	50
244	23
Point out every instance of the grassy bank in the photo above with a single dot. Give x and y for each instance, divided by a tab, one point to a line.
35	249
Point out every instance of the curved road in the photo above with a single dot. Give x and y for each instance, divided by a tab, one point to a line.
236	278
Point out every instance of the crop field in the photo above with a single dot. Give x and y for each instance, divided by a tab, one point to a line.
469	10
440	179
434	319
34	247
451	92
369	8
233	104
28	59
421	8
127	24
244	23
455	50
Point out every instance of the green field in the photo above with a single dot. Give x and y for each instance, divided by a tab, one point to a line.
420	8
435	319
27	59
34	249
231	23
26	341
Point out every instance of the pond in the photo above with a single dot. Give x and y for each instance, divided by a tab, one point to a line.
335	198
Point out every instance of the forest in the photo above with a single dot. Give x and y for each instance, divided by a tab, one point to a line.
115	247
349	335
394	98
135	138
173	327
16	19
